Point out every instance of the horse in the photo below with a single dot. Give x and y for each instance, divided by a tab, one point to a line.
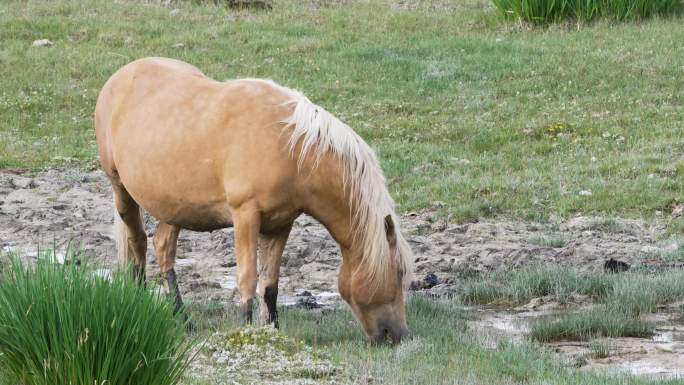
201	154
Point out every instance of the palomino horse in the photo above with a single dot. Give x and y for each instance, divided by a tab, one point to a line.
200	154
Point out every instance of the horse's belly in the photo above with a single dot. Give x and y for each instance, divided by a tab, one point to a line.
203	218
192	216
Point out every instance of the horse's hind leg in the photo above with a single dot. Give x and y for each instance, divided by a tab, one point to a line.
271	248
165	242
132	240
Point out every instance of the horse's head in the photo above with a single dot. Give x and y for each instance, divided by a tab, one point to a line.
378	300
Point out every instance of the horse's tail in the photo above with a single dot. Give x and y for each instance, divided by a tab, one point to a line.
122	235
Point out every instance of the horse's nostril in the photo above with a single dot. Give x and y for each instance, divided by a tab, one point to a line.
387	335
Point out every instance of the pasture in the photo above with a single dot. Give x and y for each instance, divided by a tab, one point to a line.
521	158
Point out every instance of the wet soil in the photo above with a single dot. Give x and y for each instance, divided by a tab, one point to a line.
57	207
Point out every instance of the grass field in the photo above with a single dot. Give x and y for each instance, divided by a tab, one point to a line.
467	112
488	117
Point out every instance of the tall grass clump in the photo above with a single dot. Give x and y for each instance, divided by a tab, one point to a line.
546	11
64	325
520	286
599	321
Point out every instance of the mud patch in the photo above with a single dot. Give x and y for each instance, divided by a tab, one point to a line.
56	207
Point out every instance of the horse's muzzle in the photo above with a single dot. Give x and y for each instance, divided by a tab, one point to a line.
389	334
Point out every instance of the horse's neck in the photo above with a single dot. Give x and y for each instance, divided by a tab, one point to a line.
328	202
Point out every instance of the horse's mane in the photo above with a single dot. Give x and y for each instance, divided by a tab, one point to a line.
319	132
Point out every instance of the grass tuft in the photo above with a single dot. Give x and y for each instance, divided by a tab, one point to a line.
546	11
554	241
519	287
599	321
65	325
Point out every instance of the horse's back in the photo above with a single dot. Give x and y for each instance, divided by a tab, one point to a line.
189	149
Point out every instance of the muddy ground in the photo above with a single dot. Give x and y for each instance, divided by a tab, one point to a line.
61	206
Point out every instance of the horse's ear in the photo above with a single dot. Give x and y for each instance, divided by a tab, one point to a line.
390	231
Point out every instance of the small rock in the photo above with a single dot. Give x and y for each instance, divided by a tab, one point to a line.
431	280
678	209
460	161
308	303
615	266
253	4
174	12
585	193
23	183
650	249
178	45
441	290
42	43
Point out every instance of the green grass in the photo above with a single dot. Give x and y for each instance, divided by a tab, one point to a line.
443	350
67	326
458	105
548	241
599	321
546	11
520	286
599	350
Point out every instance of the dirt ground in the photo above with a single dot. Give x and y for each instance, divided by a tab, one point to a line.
56	207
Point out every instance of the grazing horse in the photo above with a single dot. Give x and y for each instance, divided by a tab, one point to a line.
200	154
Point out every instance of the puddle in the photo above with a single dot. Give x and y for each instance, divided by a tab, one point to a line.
660	356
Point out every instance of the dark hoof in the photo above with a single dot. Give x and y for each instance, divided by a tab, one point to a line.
246	313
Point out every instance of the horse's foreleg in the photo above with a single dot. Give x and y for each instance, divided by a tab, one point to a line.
132	240
165	241
246	223
271	248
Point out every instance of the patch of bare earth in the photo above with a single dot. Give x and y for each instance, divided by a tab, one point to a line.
53	208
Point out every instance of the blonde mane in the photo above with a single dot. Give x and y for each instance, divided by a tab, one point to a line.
319	132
